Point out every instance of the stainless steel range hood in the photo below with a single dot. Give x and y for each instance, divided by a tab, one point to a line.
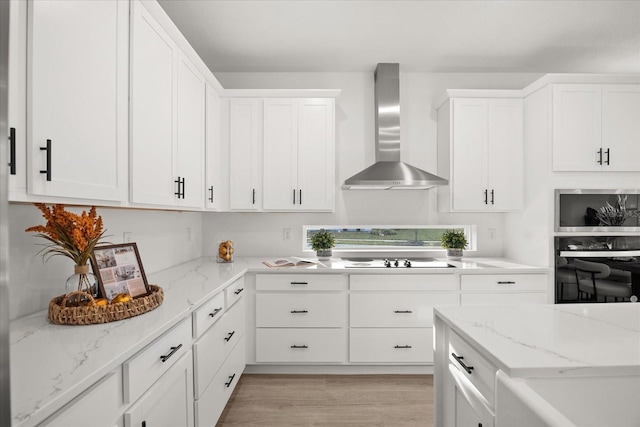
388	172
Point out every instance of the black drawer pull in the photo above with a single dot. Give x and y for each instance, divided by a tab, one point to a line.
506	282
228	383
460	359
171	353
47	171
403	346
486	196
216	311
492	198
299	283
299	311
211	194
237	291
600	156
299	346
607	153
228	337
403	311
294	196
12	151
300	198
253	200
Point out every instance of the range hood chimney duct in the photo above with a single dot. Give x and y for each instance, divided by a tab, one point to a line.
388	172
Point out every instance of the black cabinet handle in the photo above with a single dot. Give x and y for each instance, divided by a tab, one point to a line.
299	346
299	283
460	359
254	197
506	282
607	153
300	198
171	353
486	197
299	311
216	311
183	187
144	424
12	151
211	194
179	182
228	337
403	346
228	383
600	156
294	196
237	292
403	311
47	171
492	198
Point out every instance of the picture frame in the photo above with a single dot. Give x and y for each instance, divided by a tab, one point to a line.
119	270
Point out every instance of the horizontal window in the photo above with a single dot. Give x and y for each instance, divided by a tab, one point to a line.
387	238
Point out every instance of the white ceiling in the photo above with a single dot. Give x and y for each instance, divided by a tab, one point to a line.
423	36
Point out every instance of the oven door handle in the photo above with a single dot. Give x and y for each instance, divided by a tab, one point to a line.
598	254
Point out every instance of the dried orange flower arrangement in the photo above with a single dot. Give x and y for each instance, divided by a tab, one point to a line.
71	235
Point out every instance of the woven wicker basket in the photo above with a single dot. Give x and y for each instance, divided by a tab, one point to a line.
85	315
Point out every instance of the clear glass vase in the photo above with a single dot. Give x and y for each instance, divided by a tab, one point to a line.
82	280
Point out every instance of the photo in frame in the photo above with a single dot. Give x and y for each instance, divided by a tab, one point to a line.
119	270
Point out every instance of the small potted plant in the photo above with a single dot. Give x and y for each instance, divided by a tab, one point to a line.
454	241
322	241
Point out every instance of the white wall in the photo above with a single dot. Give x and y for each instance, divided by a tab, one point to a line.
262	234
161	237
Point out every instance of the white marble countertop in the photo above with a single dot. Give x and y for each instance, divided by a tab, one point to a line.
50	364
553	340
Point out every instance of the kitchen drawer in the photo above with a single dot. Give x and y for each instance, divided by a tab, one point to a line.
149	364
208	314
234	292
210	351
301	310
503	282
407	282
481	373
504	298
391	345
301	282
211	404
397	310
300	345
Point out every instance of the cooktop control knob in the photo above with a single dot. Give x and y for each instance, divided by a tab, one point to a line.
396	263
407	263
387	263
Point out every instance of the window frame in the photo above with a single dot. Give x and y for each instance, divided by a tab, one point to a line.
469	230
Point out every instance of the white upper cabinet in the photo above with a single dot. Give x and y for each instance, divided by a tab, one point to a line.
77	101
167	119
213	151
299	161
245	154
596	127
480	145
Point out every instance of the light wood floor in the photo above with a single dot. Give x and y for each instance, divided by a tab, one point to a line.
330	400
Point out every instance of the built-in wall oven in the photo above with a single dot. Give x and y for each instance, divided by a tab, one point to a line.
597	246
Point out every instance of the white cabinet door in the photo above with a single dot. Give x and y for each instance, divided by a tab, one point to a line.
169	402
213	150
505	179
190	127
153	76
316	158
77	105
621	127
577	134
469	154
281	190
245	152
486	154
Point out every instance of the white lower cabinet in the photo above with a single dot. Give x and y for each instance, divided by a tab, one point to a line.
101	402
219	354
169	402
501	289
301	318
300	345
391	316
